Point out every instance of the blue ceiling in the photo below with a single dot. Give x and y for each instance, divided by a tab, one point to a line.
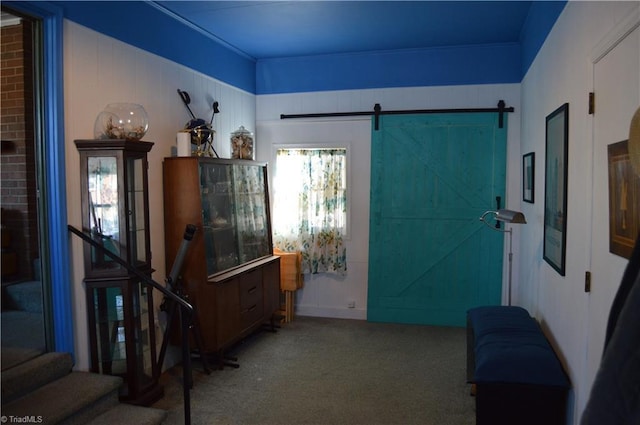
268	47
276	29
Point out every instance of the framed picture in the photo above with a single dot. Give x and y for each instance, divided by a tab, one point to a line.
624	200
528	175
556	162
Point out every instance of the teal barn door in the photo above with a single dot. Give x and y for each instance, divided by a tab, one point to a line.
430	257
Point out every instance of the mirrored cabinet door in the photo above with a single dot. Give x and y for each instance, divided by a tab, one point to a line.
102	215
115	205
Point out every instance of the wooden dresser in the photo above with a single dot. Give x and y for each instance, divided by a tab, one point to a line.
230	274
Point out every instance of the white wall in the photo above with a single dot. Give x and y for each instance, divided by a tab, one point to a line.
328	294
99	70
324	294
562	72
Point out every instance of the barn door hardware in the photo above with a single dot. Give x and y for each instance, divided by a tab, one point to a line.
501	109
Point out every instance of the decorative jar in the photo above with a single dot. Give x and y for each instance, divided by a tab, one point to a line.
242	144
128	121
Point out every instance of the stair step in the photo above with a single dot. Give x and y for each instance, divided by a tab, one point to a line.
24	296
73	399
14	356
35	373
124	414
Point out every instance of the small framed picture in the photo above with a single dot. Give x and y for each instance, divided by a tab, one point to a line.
528	177
624	200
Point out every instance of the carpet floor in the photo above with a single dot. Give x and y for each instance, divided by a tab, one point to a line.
331	372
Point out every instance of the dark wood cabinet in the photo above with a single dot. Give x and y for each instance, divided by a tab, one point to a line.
230	274
115	213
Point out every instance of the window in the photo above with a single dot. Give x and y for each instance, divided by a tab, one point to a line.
310	206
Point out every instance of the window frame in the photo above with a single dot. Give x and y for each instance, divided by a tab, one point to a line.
316	145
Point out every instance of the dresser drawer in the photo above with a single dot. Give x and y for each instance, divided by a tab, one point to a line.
251	289
251	315
251	298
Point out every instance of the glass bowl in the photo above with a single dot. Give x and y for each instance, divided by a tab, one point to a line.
128	121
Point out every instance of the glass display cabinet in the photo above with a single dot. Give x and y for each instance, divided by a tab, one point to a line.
115	213
234	209
230	274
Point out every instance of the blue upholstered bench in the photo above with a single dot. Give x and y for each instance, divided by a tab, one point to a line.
517	376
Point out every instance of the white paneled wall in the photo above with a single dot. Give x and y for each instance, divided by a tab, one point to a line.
563	72
323	294
99	70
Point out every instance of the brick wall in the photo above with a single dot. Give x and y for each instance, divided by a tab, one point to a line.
17	157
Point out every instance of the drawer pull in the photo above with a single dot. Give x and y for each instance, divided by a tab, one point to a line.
250	309
252	290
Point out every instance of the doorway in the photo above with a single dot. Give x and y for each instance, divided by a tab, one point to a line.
616	85
24	327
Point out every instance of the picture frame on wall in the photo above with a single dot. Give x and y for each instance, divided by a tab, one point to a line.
555	188
624	200
528	177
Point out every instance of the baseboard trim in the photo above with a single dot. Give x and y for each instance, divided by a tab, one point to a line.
336	313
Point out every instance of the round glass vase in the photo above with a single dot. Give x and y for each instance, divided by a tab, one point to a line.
127	121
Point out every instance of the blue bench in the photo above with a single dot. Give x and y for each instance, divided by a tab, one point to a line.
517	376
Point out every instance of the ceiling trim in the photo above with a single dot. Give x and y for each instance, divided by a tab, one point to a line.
200	30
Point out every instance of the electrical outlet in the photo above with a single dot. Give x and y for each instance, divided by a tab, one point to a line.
352	304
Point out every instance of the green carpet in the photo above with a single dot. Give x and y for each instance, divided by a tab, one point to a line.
334	371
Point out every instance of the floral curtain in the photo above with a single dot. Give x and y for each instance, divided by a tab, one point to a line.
310	207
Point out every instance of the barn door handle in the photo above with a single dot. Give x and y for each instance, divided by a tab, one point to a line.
498	202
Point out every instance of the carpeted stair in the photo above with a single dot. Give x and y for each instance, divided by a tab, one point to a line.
45	387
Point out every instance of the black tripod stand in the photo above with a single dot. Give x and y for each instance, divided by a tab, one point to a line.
169	306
